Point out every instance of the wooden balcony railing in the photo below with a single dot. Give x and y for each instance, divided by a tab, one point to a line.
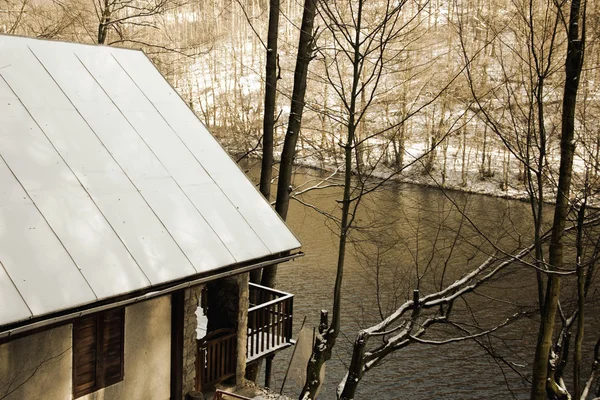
269	321
216	358
269	329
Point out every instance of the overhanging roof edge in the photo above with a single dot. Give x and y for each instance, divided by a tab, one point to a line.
19	328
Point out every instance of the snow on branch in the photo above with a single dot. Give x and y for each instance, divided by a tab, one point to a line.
461	286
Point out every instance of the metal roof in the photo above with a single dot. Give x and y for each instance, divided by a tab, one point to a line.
109	183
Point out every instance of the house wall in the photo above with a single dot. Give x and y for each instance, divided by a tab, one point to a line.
39	366
147	354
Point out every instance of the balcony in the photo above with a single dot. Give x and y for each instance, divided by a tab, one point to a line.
270	319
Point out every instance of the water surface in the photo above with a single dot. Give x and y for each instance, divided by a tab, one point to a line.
406	232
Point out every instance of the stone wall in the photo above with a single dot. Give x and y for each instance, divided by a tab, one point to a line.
228	304
227	307
190	349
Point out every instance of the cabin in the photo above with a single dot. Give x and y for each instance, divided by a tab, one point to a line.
126	234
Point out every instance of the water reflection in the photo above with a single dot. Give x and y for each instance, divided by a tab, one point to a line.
407	237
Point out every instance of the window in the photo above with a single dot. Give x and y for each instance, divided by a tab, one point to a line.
98	351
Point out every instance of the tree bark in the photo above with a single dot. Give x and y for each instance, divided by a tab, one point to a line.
103	24
266	170
326	341
580	305
305	49
316	361
355	371
573	65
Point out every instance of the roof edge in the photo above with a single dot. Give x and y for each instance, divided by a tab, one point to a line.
21	328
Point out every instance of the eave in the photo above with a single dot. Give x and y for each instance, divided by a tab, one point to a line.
22	328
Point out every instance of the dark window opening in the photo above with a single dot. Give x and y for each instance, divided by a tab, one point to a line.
98	351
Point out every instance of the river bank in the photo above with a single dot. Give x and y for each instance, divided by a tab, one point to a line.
512	189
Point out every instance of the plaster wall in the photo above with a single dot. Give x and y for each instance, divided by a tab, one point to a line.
37	366
147	354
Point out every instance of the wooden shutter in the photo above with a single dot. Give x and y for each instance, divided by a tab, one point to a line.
84	355
112	346
98	351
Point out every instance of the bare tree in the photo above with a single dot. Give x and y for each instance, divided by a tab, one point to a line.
120	15
359	39
271	77
523	103
542	380
305	55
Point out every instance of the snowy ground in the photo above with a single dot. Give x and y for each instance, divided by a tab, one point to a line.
268	395
251	391
206	84
452	176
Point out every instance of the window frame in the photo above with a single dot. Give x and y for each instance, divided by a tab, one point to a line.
101	350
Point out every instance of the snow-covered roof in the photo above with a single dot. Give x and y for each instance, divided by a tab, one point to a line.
109	183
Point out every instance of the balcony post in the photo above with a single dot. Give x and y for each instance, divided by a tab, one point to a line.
242	328
268	366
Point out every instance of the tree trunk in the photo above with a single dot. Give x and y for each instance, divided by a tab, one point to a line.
573	67
326	341
103	24
463	168
305	49
483	172
316	361
580	305
402	132
355	370
266	170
